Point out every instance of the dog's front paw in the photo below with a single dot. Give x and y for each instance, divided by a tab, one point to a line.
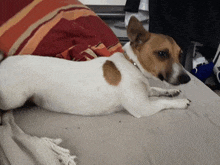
173	92
185	103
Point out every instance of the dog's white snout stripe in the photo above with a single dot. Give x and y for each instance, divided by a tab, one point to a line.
177	70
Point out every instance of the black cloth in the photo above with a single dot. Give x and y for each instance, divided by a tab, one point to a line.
186	20
132	6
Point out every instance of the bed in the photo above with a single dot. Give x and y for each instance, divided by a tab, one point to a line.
170	137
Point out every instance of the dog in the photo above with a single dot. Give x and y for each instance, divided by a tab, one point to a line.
101	86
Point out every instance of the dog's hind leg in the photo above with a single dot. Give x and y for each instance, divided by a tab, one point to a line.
11	100
155	91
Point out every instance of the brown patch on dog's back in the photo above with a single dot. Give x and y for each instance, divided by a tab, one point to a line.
111	73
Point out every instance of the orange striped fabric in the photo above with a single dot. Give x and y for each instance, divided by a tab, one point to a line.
58	28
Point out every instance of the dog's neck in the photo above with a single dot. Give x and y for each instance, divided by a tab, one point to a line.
129	59
130	53
130	56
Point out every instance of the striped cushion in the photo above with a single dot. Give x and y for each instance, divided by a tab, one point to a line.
59	28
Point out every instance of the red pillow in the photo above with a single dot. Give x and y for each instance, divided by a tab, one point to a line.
58	28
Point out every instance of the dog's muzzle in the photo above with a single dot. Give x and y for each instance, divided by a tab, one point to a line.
184	78
178	75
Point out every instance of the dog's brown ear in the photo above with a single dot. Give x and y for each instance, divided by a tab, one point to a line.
136	32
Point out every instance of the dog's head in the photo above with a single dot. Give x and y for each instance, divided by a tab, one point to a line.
156	54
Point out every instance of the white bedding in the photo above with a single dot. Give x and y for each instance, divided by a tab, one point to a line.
170	137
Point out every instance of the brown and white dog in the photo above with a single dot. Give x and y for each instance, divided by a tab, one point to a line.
100	86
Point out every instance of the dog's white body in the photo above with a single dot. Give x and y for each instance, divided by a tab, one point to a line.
78	87
62	85
81	87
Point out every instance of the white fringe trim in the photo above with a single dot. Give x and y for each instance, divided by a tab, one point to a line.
62	154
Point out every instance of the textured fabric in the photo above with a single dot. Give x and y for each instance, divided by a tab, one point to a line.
59	28
171	137
18	148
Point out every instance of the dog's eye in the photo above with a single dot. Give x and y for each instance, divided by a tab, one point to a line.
163	54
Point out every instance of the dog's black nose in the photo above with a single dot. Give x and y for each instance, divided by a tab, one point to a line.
184	78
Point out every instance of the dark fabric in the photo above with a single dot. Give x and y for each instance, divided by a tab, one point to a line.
186	20
132	6
207	51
